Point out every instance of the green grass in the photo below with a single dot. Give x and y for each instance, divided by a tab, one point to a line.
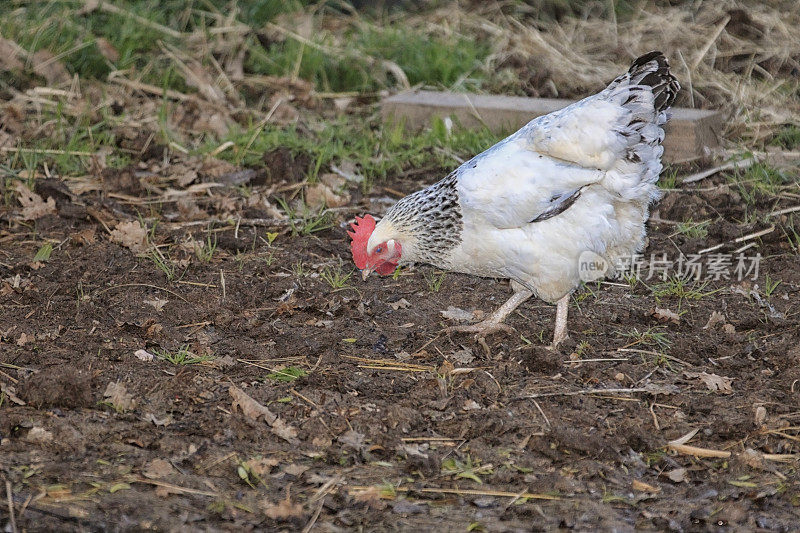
434	280
304	221
788	137
182	356
204	250
377	149
695	230
336	277
652	337
164	264
762	179
287	375
354	61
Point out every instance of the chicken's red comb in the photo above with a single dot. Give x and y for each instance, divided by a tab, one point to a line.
361	230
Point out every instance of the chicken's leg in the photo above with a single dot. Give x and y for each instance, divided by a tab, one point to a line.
494	323
562	309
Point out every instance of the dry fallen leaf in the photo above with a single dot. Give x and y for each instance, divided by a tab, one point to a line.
253	410
761	415
38	435
402	303
250	408
678	475
373	496
460	315
644	487
284	510
261	466
712	381
320	195
715	318
117	395
33	206
464	356
157	469
130	235
352	438
144	355
157	303
666	314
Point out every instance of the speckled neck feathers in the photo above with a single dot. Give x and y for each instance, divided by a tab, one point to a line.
433	216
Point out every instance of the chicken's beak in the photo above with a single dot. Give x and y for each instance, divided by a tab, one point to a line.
366	272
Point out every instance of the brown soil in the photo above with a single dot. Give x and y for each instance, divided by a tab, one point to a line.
394	427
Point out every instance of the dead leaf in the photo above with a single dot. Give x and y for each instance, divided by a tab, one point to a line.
130	235
250	408
373	496
463	357
144	355
261	466
117	395
33	207
352	438
320	195
284	510
460	315
715	318
294	470
471	405
678	475
22	340
253	410
712	381
644	487
157	469
86	236
666	314
150	417
38	435
761	415
157	303
402	303
284	430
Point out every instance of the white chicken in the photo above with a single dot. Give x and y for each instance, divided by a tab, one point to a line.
578	180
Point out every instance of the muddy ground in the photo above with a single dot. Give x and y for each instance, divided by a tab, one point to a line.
368	416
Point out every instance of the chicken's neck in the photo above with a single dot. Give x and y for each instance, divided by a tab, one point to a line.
432	217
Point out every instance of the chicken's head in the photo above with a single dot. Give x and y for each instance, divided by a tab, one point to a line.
381	258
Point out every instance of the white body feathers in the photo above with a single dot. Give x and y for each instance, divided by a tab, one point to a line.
580	179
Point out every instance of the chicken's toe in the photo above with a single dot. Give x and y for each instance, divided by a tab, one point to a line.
487	327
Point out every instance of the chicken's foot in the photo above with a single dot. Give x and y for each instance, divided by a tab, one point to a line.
494	323
560	333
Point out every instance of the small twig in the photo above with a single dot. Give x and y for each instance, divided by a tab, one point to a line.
469	492
175	294
13	520
651	389
176	488
784	211
542	413
745	163
313	520
710	42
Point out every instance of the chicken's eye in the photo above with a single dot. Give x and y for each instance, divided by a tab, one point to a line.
379	249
